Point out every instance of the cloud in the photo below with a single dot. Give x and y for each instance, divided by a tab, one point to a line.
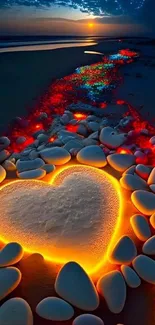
95	7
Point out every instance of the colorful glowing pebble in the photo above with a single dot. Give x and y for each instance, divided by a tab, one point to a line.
26	165
121	162
4	143
73	144
11	254
110	284
143	171
54	309
16	311
145	267
133	182
88	319
140	227
10	277
123	252
55	156
129	171
48	168
4	154
32	174
111	138
130	276
2	174
152	188
151	179
9	165
149	246
83	293
93	156
144	201
152	220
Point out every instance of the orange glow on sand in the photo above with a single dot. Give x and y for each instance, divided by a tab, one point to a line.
110	235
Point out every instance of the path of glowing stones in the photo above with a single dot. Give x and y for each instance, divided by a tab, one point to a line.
93	212
75	215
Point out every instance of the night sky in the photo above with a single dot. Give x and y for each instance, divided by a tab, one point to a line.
139	13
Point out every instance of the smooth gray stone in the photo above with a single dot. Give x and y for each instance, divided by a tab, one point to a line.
9	165
93	126
11	254
111	138
32	174
4	154
73	144
57	143
93	156
4	143
94	136
121	162
82	130
151	179
74	285
133	182
152	188
130	276
2	174
87	319
67	139
65	119
143	171
55	309
129	171
144	201
89	142
33	155
43	138
28	165
55	156
10	277
20	140
123	252
16	311
140	227
48	168
145	267
149	246
113	288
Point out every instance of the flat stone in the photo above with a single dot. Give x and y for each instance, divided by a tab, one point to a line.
130	276
26	165
113	288
82	130
89	142
32	174
83	293
11	254
143	171
145	267
144	201
93	156
88	319
4	143
152	188
10	277
55	309
16	311
20	140
149	246
4	154
129	171
152	220
2	174
123	252
151	179
48	168
93	126
55	156
140	227
94	136
121	162
9	166
33	155
111	138
73	144
133	182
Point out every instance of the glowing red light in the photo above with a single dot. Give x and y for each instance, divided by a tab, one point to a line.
103	105
120	102
51	139
38	126
80	116
72	128
124	151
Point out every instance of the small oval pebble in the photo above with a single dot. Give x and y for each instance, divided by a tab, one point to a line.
4	143
2	174
131	278
152	220
32	174
93	156
143	171
9	165
133	182
140	227
145	267
121	162
11	254
144	201
112	287
151	179
88	319
10	277
26	165
16	311
83	293
55	309
55	156
149	246
48	168
123	252
152	188
129	171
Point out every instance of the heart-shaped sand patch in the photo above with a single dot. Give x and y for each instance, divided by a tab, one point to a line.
73	218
